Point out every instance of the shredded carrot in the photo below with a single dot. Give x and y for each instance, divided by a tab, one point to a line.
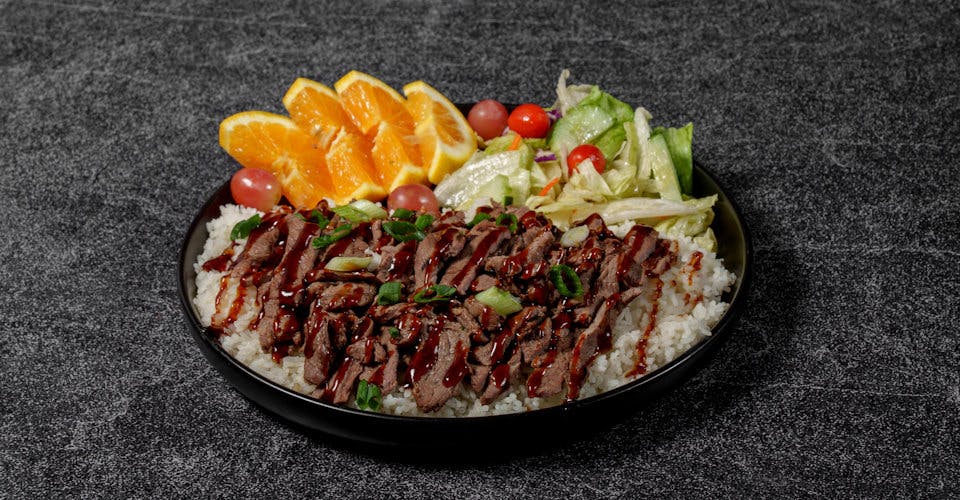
516	143
546	189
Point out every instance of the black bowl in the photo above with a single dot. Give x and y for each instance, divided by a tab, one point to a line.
419	434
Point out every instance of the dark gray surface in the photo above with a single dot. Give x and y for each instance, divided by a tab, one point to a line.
834	127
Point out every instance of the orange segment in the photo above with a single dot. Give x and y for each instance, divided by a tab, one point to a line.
396	157
352	170
316	109
446	139
368	101
275	143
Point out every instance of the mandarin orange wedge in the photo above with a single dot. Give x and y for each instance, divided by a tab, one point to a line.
446	139
368	102
316	109
396	157
351	169
275	143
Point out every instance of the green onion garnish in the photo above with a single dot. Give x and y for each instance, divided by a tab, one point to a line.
348	264
423	222
507	200
242	229
351	213
511	221
318	217
500	300
566	281
389	293
393	331
403	214
435	293
403	231
480	217
328	239
368	396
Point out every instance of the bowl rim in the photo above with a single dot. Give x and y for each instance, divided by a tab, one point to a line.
718	333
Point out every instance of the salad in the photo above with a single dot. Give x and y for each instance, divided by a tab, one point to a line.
596	154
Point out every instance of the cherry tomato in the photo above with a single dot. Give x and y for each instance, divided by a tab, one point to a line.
488	118
585	152
414	197
255	188
530	121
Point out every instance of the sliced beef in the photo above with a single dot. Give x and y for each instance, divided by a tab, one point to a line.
483	282
367	351
278	320
389	314
518	327
344	296
432	252
500	378
638	244
440	364
339	388
488	319
317	350
537	341
550	371
594	339
663	256
396	262
604	287
484	239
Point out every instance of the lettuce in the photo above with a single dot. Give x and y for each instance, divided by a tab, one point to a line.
680	143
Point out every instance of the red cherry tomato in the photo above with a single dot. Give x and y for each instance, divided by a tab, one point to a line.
255	188
414	197
530	121
585	152
488	118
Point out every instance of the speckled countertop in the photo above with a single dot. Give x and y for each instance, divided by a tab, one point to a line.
835	128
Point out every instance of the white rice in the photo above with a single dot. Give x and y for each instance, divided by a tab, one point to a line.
680	324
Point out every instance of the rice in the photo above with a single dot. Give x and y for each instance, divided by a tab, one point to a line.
681	322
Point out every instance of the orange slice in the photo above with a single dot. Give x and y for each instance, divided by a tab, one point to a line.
275	143
446	139
316	109
352	170
396	157
368	101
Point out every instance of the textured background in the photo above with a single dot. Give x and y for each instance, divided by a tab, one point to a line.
835	128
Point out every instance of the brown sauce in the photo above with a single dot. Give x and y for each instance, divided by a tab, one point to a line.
426	356
640	365
536	378
458	369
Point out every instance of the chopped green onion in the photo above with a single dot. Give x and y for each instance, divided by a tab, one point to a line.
480	217
507	200
403	214
500	300
403	231
351	213
423	222
300	216
318	217
328	239
435	293
373	210
368	396
389	293
347	264
242	229
574	236
564	278
393	331
510	219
